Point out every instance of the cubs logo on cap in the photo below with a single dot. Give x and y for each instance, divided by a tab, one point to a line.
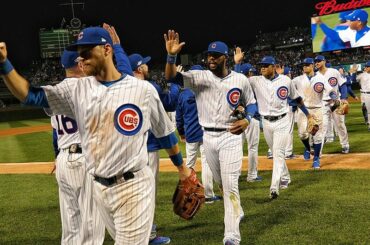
128	119
233	96
333	81
333	95
218	47
282	92
318	87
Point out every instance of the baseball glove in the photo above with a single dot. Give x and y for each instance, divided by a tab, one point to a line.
312	126
340	107
239	112
188	197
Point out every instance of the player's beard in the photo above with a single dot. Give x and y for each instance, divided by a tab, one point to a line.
147	76
215	68
92	70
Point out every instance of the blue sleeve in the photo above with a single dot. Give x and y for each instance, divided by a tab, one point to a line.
55	142
169	98
178	79
123	63
180	118
237	67
349	87
168	141
36	97
353	77
333	35
343	91
251	110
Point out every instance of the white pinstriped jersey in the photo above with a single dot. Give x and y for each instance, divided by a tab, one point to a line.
113	121
332	80
364	80
272	96
67	131
349	35
217	97
311	90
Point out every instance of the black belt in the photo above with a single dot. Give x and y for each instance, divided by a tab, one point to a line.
365	92
115	179
215	129
274	118
75	148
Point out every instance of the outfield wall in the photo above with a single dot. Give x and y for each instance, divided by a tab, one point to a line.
21	113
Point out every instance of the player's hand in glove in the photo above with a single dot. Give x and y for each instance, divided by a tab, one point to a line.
241	123
188	197
341	107
312	125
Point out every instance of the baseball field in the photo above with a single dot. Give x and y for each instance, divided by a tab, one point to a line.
329	206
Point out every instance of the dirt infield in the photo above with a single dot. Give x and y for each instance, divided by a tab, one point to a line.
328	161
24	130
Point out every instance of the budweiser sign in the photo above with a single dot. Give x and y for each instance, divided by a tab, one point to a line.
332	6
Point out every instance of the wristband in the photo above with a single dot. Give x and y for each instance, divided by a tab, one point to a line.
6	67
177	159
171	59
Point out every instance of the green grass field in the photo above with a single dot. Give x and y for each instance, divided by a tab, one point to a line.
331	21
37	147
319	207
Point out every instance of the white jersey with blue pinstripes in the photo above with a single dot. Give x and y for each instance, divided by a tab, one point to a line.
113	121
332	81
217	97
67	131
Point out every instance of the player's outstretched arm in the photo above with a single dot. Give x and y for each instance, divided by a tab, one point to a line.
175	154
17	85
173	47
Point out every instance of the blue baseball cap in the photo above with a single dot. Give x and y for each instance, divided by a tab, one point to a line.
137	60
358	14
253	70
319	58
218	47
69	59
328	65
91	36
268	60
245	68
367	64
286	70
343	15
308	61
196	68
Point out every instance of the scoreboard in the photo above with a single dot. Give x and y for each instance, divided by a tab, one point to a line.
53	42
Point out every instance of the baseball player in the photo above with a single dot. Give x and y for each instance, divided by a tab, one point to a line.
335	87
272	91
252	133
113	112
191	132
364	80
357	34
218	93
327	43
311	89
81	222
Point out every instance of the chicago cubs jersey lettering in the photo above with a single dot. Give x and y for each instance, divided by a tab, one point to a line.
128	119
333	81
282	92
233	96
318	87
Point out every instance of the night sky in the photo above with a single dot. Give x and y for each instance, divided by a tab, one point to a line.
141	27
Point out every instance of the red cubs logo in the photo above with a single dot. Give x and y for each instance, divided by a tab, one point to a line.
233	96
128	119
333	81
80	36
318	87
282	92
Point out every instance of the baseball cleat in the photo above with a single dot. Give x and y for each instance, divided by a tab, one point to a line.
316	164
257	179
307	155
291	156
345	150
284	184
273	195
213	199
160	240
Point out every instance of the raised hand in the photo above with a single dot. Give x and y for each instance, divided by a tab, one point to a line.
3	52
238	55
172	40
112	33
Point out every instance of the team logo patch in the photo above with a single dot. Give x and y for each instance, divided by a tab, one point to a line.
80	36
318	87
333	81
282	92
128	119
233	96
213	45
333	95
